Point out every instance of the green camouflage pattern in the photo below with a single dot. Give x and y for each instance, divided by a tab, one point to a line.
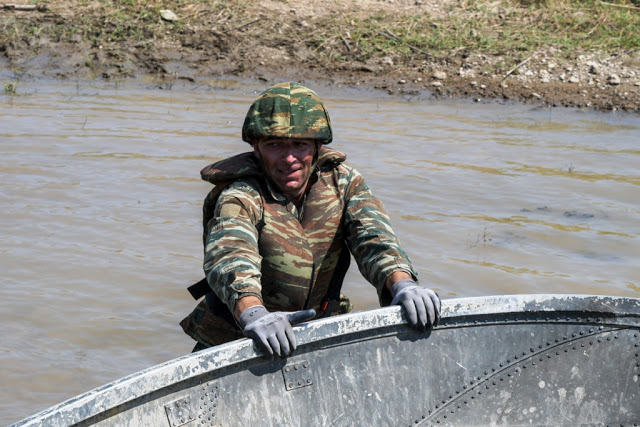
287	110
209	327
258	243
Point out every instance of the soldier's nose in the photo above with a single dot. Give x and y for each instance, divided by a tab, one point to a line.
289	158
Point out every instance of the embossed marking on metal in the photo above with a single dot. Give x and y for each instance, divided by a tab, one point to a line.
297	374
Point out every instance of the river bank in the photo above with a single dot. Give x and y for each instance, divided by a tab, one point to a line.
400	46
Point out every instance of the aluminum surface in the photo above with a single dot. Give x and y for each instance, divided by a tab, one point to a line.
524	359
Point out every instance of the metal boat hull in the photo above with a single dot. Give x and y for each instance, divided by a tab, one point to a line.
509	360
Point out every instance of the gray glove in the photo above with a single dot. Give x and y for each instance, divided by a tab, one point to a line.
272	332
422	305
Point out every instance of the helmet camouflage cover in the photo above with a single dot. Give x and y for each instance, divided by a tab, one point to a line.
287	110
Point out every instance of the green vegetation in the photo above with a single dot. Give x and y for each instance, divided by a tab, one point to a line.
486	27
519	27
11	88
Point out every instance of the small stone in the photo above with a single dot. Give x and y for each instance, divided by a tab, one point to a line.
545	79
418	80
168	15
536	95
483	86
436	84
402	81
637	83
388	61
574	79
474	83
614	80
440	75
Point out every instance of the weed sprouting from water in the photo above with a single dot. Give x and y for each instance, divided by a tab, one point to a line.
11	88
482	238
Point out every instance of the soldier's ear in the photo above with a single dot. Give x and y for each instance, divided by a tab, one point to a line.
256	148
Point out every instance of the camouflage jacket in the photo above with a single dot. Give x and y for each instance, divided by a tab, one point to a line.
258	243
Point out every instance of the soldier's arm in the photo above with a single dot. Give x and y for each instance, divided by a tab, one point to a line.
396	276
369	235
232	261
244	303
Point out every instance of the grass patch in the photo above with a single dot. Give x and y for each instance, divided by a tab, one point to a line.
481	26
510	26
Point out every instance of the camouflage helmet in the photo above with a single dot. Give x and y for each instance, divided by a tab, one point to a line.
287	110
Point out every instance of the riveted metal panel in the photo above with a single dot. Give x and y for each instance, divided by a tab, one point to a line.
297	374
209	394
179	412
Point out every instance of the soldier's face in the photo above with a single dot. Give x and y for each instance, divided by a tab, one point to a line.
288	163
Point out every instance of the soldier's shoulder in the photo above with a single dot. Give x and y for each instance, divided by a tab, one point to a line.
248	187
346	172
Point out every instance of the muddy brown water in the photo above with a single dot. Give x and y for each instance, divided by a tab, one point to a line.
101	202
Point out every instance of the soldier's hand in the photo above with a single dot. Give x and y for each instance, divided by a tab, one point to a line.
421	305
272	332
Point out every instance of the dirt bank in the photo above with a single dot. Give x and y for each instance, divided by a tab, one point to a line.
273	40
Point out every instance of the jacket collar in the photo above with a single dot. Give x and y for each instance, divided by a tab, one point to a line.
247	164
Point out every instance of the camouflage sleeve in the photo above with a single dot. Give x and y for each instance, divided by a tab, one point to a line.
369	235
231	259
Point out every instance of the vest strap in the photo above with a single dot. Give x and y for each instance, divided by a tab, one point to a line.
200	289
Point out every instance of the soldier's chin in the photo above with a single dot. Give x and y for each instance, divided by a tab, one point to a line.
290	188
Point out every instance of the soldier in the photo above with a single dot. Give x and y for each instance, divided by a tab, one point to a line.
280	225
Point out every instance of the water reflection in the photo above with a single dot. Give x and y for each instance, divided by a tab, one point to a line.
102	212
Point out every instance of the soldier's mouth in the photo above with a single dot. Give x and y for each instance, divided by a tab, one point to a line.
289	173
